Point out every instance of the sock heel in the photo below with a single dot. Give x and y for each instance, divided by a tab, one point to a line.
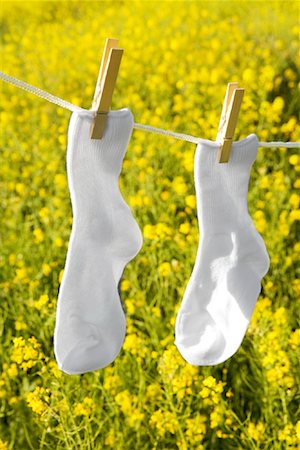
127	238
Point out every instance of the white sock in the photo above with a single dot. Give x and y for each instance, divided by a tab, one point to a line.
231	259
90	321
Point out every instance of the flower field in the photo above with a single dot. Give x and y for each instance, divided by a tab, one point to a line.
178	58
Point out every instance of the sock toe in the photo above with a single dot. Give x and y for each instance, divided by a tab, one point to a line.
198	338
87	346
87	355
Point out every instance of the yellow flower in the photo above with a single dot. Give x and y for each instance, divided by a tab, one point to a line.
46	269
157	232
179	185
21	275
294	215
44	213
165	269
294	200
12	370
12	401
297	429
190	200
38	400
12	259
130	307
185	228
60	180
58	242
216	416
256	431
135	200
163	421
149	232
229	394
126	285
62	140
41	302
260	221
165	195
156	311
280	316
278	368
20	188
153	392
142	163
171	361
262	310
278	104
52	365
297	183
135	418
26	353
3	445
38	235
112	381
290	74
294	339
205	392
110	438
124	400
182	381
85	408
264	182
135	345
196	429
288	435
60	276
210	382
20	325
294	159
249	75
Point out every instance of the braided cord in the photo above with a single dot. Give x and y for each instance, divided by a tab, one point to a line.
67	105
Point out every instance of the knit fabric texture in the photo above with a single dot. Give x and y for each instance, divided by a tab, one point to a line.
231	259
90	321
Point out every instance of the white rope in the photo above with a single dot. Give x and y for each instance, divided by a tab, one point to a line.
64	104
280	144
39	92
181	136
195	140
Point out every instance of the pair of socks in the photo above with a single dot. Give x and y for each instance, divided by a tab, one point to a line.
223	289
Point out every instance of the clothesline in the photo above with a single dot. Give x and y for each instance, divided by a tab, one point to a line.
67	105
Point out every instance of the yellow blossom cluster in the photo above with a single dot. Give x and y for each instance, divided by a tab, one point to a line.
38	400
84	408
178	376
158	231
26	353
3	445
290	435
112	381
127	403
135	345
256	430
164	422
196	429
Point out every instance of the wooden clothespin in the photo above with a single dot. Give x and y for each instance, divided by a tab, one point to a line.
107	77
230	112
